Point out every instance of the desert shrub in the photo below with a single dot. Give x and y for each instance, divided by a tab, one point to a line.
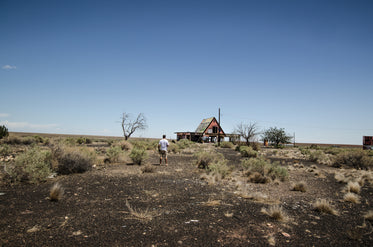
358	159
145	144
275	212
83	140
264	168
147	169
204	159
125	145
33	166
70	141
304	150
315	146
4	150
138	155
185	143
56	192
12	140
256	146
256	177
351	197
333	150
324	206
40	139
71	161
113	153
318	156
173	148
247	152
300	186
226	145
220	167
20	140
3	131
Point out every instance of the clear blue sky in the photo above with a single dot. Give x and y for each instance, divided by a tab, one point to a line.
73	67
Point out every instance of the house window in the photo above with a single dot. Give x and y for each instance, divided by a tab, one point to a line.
215	129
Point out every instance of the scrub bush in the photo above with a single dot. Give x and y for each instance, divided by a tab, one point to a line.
173	148
204	159
184	143
138	155
4	150
125	145
248	152
260	170
220	167
300	186
83	140
32	166
113	153
226	145
357	159
73	160
318	156
3	131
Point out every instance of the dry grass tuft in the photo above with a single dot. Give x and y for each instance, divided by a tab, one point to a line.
211	179
369	216
228	214
275	212
340	178
56	192
300	186
271	240
351	197
147	169
256	177
212	203
353	187
144	215
323	206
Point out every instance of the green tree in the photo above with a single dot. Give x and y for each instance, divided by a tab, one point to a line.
3	131
276	136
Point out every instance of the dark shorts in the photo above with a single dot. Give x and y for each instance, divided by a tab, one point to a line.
163	153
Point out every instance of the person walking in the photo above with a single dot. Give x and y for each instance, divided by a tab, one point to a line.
162	147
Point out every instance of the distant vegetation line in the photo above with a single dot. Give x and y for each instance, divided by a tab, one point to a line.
25	134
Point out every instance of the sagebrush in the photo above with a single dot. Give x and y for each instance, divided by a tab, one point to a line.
72	160
138	155
260	170
33	166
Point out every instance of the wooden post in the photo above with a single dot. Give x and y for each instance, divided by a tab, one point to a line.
219	130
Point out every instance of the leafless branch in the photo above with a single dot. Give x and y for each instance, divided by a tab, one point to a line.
129	126
247	131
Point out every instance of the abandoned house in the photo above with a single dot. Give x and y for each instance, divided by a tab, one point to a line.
209	130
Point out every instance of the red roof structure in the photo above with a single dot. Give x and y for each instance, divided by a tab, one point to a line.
208	130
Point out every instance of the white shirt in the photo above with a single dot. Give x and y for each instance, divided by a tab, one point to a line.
164	144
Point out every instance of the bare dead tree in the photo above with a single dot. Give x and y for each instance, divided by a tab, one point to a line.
129	126
247	132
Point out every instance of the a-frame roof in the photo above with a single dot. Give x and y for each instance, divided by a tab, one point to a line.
205	124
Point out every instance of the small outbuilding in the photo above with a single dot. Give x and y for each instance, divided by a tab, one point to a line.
209	130
368	142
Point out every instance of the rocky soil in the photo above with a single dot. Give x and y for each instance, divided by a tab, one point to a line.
179	205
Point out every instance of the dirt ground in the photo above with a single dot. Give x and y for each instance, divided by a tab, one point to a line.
118	205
